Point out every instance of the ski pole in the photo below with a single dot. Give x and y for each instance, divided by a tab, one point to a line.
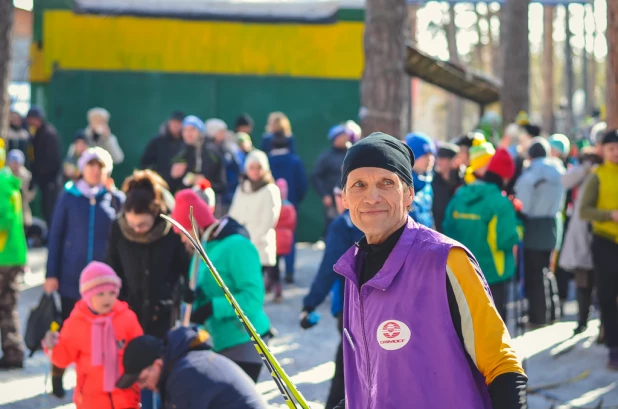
54	327
286	387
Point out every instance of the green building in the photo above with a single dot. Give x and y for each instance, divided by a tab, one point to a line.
141	62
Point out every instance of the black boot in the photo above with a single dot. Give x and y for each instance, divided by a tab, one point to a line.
57	387
584	299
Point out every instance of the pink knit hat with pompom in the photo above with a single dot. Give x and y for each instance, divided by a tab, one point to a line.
95	278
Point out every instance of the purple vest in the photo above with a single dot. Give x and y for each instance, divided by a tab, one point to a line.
401	349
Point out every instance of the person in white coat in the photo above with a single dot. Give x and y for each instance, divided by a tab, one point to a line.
576	254
256	205
98	133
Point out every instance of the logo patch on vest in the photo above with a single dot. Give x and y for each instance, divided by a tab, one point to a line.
393	334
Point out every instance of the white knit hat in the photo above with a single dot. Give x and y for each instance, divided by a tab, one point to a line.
214	125
257	156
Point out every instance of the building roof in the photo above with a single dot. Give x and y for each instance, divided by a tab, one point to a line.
459	80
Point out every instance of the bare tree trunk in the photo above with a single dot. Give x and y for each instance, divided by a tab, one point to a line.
502	42
479	47
492	45
586	68
548	68
6	35
569	74
454	103
612	65
383	77
515	96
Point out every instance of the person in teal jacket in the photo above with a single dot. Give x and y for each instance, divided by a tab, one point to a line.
13	252
237	260
483	219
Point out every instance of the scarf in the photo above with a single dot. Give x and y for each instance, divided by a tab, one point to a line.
88	191
160	229
105	350
420	181
251	186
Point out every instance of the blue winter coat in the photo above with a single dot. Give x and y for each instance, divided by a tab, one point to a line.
78	235
341	235
267	143
423	200
195	377
289	167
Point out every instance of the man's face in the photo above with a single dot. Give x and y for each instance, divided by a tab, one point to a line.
378	201
464	155
33	122
149	377
341	141
80	146
245	128
424	164
610	152
15	119
190	135
443	164
175	127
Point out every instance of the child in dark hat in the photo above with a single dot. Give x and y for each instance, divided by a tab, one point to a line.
79	145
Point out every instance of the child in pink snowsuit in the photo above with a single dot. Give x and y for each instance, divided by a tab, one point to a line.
94	338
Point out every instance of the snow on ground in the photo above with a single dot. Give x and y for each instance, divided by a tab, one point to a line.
307	356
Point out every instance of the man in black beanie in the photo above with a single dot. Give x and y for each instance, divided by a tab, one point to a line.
446	179
403	280
244	123
163	149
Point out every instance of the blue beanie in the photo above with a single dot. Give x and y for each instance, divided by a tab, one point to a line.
15	155
195	122
335	131
420	143
36	112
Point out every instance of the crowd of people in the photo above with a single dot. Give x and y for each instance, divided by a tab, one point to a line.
537	209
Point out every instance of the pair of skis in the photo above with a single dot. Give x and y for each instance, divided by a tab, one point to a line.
288	390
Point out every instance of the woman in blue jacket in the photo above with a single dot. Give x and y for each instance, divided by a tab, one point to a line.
78	233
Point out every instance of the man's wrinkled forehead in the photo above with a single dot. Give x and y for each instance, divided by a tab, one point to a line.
371	175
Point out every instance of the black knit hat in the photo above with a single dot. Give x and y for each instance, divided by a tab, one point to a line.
177	116
532	130
139	354
610	137
380	150
244	120
539	148
447	150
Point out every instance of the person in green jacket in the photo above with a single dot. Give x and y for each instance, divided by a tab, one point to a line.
237	260
13	253
483	219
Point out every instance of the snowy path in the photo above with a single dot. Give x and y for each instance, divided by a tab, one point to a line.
307	355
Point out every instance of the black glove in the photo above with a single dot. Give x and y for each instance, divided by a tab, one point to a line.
306	319
200	315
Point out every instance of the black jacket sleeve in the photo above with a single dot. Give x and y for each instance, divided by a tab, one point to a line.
508	391
149	158
48	160
319	173
340	405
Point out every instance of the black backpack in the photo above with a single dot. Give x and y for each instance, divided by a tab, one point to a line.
40	320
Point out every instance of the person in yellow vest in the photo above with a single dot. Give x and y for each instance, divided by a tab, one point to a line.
600	206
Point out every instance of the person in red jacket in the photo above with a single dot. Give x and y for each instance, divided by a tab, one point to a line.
94	338
286	226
